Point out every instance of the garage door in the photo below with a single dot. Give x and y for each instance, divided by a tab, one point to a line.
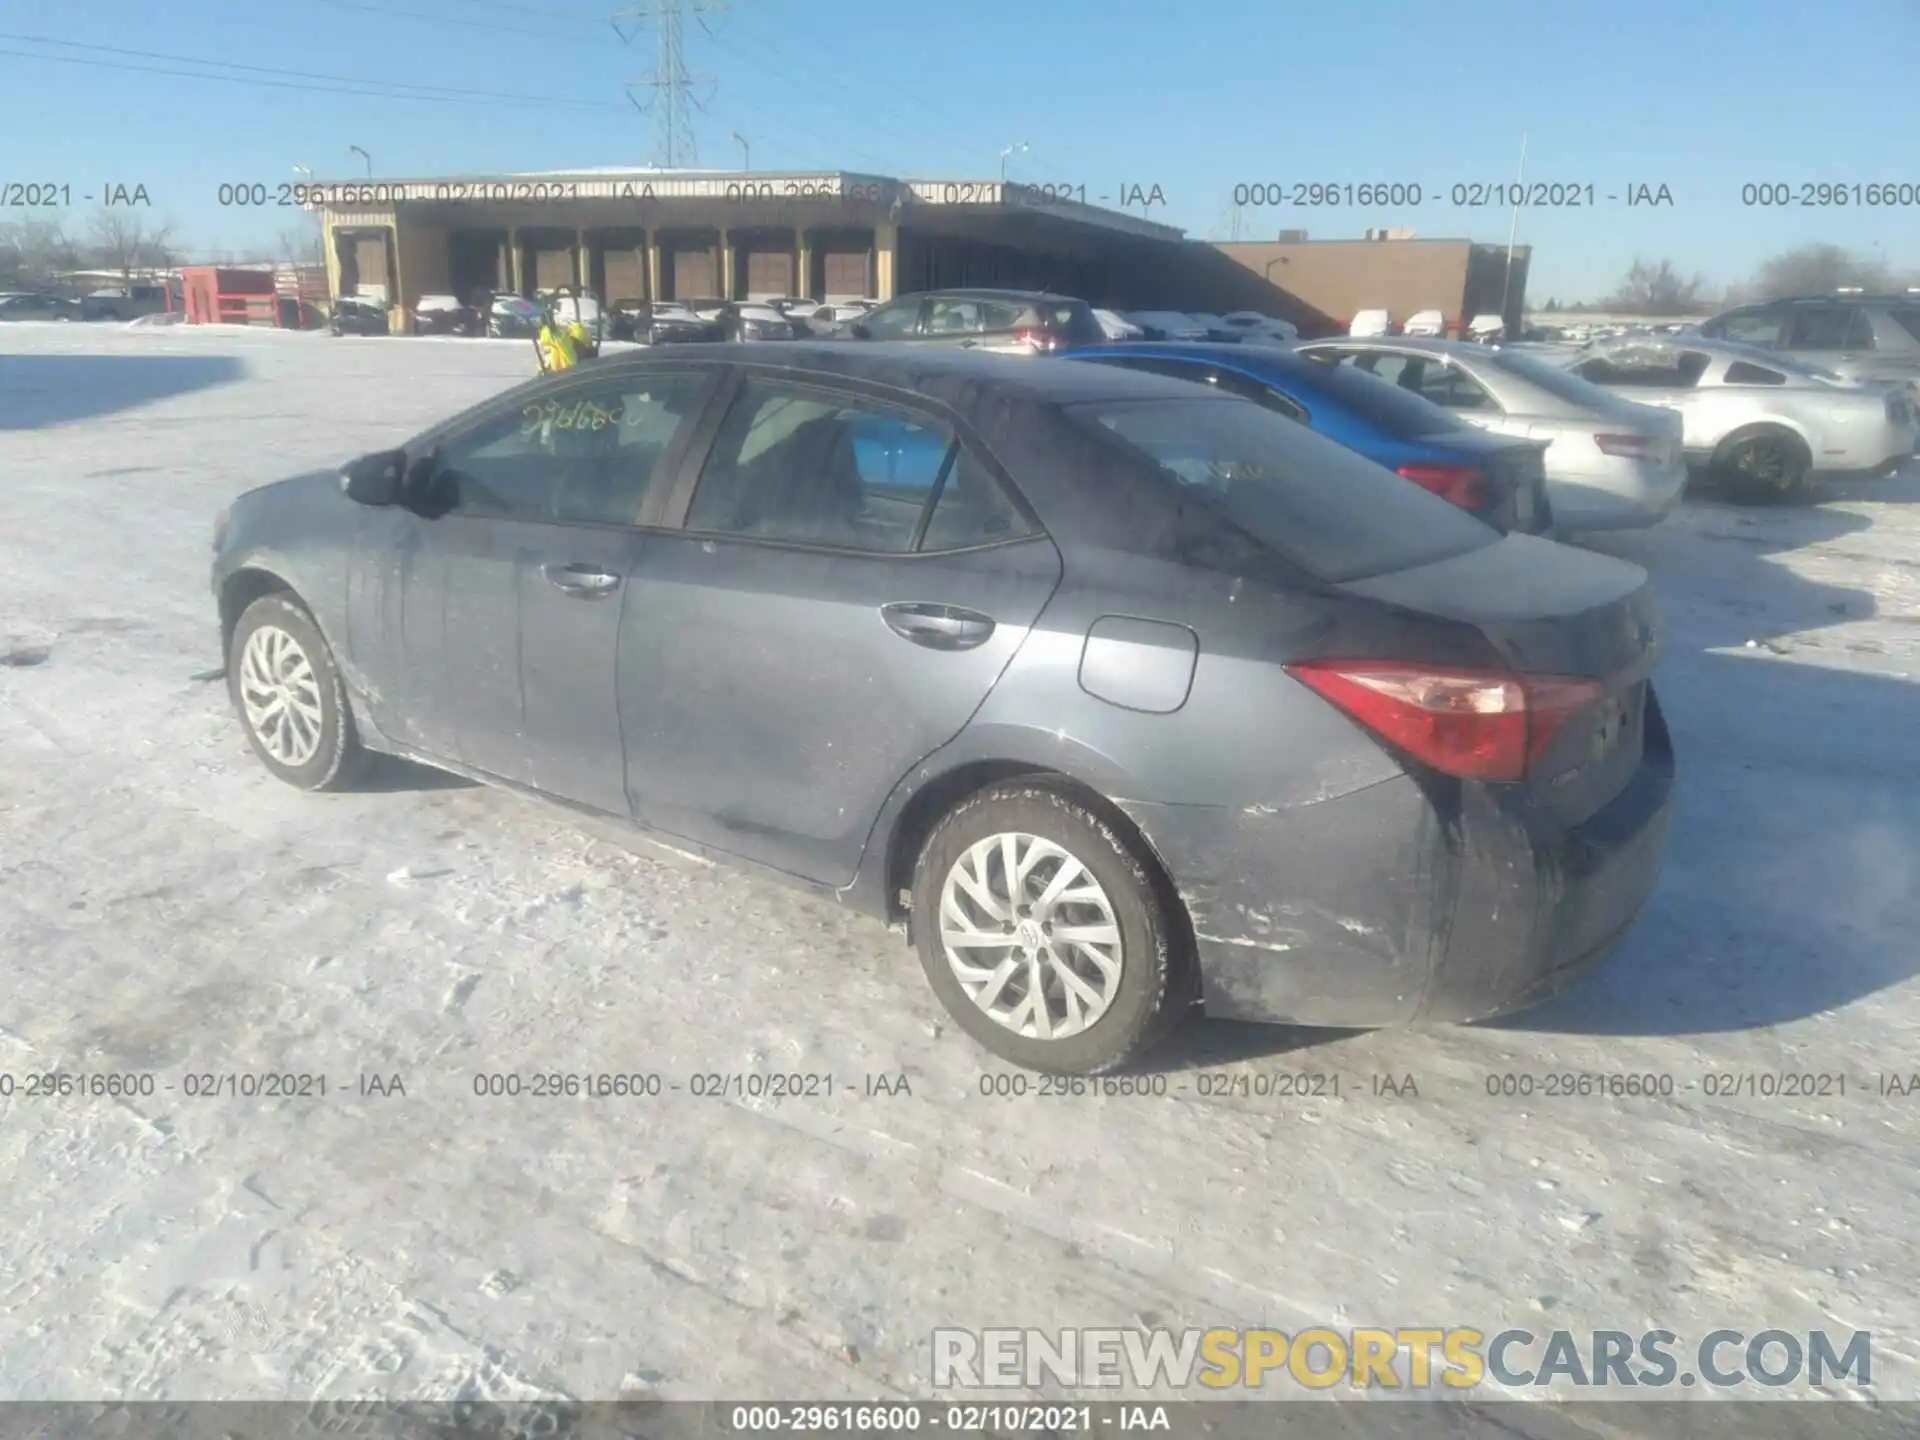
552	267
847	276
370	259
693	274
769	273
625	275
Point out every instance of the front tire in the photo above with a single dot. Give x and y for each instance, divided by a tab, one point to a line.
288	694
1044	934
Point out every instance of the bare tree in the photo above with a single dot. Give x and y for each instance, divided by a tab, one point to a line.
125	242
32	252
300	245
1657	289
1818	270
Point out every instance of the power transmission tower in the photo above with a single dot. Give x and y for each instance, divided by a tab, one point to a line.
669	85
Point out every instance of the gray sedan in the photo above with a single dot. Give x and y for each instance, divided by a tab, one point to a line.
1611	464
1758	419
1118	692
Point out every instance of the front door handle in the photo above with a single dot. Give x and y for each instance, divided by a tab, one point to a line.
582	582
938	627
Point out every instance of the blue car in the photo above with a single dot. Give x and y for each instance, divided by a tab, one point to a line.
1501	479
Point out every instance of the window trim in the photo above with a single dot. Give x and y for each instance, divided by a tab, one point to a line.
544	387
843	390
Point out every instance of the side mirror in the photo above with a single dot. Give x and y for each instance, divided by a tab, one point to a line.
374	479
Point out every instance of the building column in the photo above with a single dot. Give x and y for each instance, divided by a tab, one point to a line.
726	264
803	264
330	256
582	261
655	266
886	242
399	318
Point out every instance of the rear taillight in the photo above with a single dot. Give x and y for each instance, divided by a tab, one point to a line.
1463	485
1476	724
1038	339
1632	447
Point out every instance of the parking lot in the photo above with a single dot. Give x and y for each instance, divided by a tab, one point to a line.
169	910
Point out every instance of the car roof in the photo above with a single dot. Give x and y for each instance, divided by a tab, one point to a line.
985	294
1414	344
963	379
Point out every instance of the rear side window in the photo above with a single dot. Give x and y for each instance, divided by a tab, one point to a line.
1741	373
1314	502
972	510
1076	324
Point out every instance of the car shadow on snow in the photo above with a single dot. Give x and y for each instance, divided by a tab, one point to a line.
41	391
390	775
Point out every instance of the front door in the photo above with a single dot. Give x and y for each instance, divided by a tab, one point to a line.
849	583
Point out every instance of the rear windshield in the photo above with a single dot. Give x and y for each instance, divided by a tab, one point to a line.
1561	384
1318	504
1401	413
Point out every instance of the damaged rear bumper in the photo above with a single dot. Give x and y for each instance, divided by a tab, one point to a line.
1410	900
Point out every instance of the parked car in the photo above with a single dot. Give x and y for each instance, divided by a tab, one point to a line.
1862	337
1610	463
669	322
513	317
1429	323
1499	479
359	315
746	321
1486	329
35	305
1116	327
1170	698
1024	322
1756	419
127	303
1167	325
1372	322
445	315
1262	329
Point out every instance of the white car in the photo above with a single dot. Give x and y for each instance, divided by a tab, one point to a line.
1610	464
1430	324
1371	322
1257	327
1756	418
1166	325
1116	327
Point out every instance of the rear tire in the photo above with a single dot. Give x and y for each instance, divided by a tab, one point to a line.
1088	924
1771	466
289	696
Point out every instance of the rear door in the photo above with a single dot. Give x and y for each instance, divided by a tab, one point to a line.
852	576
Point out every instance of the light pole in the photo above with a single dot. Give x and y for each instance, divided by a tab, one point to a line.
364	156
1019	147
746	155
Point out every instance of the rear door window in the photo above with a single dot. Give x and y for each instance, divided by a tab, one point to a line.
1758	327
1821	327
958	317
1316	503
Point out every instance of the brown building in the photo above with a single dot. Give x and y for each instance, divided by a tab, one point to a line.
666	234
1402	276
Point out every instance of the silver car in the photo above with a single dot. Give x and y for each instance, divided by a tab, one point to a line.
1757	419
1611	464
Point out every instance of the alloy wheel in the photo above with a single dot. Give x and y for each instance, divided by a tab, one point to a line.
1031	935
280	695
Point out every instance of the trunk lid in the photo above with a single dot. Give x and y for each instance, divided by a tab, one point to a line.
1553	610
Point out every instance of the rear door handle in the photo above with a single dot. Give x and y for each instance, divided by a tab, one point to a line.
582	582
938	627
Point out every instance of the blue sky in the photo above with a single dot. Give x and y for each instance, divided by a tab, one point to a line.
1701	97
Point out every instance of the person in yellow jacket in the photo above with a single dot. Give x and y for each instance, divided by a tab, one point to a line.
558	344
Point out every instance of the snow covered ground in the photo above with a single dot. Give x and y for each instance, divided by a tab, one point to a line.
166	909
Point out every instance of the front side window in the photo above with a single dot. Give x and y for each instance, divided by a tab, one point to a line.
588	454
892	322
1755	327
817	469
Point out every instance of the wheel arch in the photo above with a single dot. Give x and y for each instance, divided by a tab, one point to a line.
1775	429
241	589
939	797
